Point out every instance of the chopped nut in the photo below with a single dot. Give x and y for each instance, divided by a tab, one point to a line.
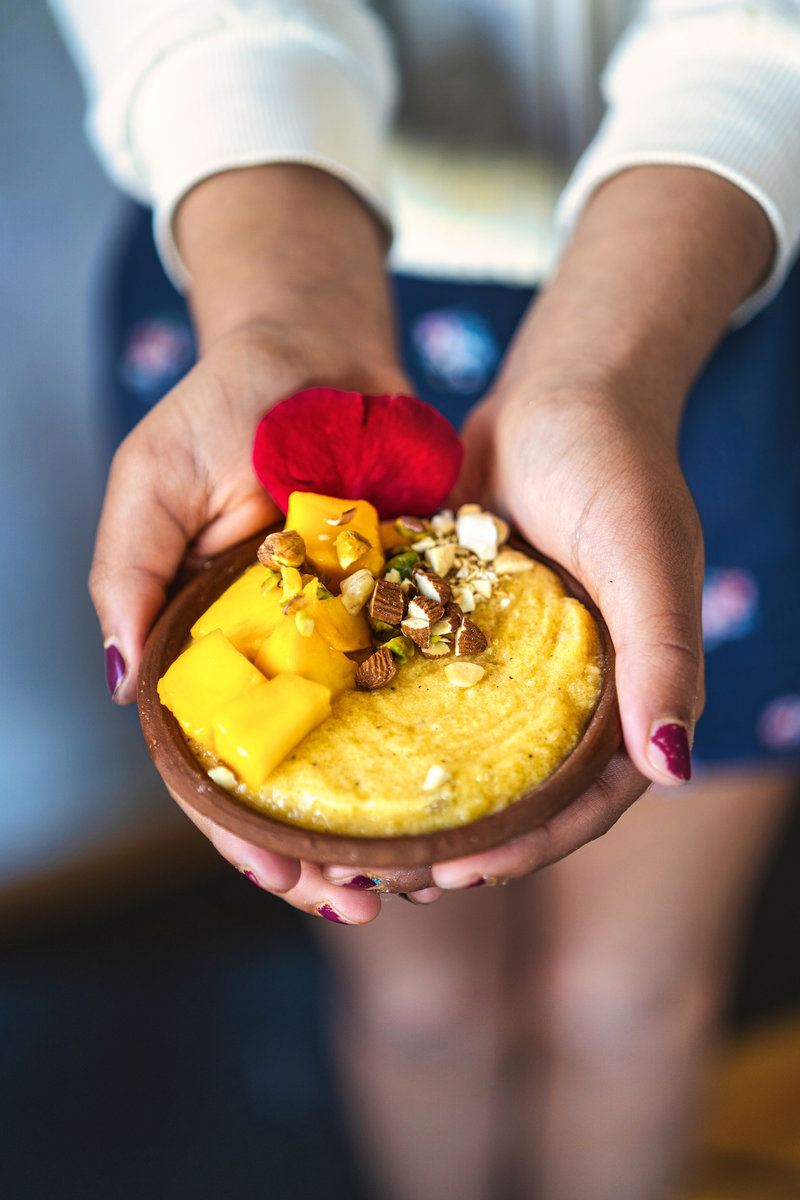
466	509
512	562
424	543
441	558
443	523
403	648
375	671
430	584
418	630
304	622
465	598
435	650
295	604
477	531
393	576
387	602
222	777
285	548
343	519
424	609
271	580
502	528
356	590
449	623
406	525
482	588
435	778
292	583
350	546
463	674
469	638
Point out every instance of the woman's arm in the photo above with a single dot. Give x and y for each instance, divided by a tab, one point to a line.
578	444
288	290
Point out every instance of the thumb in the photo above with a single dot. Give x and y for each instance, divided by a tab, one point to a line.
152	511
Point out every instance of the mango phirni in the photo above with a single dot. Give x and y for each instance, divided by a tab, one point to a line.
276	698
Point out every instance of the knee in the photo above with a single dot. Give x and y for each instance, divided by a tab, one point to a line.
425	1014
592	1007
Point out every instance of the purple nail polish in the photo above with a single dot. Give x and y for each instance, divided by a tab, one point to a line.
672	739
364	882
253	879
330	914
479	882
115	668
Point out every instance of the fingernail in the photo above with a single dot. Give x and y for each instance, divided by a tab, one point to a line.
462	885
330	914
364	882
669	742
115	667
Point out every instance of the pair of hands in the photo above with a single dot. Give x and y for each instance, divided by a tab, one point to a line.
591	485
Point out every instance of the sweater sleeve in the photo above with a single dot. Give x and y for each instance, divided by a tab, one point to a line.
714	85
181	89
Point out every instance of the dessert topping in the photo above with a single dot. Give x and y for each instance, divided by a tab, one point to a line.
387	602
343	518
350	546
478	532
429	584
356	445
469	639
436	649
464	674
418	629
511	562
422	608
282	549
356	590
376	671
435	778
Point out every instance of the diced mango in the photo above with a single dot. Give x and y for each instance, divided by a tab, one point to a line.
288	651
392	537
310	513
207	675
342	630
256	731
244	612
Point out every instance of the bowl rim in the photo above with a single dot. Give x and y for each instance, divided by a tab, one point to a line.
199	796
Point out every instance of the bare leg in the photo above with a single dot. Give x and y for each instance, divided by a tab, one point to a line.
621	1007
417	1035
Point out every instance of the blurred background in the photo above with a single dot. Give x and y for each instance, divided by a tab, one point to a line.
159	1017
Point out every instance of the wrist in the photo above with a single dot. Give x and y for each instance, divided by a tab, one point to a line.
659	262
285	247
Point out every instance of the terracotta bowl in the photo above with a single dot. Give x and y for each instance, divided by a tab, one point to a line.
410	855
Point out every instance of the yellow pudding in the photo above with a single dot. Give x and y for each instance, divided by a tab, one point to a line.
445	741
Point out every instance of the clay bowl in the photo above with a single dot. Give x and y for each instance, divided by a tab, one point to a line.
409	855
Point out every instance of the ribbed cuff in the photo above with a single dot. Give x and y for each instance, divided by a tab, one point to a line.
234	101
719	94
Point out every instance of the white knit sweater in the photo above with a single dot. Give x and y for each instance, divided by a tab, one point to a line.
505	102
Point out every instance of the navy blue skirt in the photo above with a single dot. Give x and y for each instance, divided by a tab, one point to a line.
740	450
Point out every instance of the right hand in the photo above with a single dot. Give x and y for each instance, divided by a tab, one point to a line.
182	489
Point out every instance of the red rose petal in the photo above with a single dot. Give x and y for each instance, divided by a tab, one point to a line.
395	451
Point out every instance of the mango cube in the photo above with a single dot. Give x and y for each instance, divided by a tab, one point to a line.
255	731
288	651
311	514
342	630
207	675
244	612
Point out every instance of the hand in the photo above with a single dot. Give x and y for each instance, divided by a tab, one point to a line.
288	291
